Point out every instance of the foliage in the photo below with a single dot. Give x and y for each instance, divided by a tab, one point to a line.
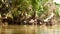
57	12
24	8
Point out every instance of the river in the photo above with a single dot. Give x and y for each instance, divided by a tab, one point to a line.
30	29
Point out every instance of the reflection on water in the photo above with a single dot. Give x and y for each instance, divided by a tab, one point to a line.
29	29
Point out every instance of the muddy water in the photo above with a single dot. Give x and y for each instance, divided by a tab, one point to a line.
29	29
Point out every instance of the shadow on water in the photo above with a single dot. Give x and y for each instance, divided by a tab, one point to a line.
29	29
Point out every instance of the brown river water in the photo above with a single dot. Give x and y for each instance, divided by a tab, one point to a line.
29	29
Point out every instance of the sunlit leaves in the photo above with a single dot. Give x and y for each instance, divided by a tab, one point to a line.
57	12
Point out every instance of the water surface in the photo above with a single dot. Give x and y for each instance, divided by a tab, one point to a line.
29	29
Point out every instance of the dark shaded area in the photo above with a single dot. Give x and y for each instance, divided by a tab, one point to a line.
25	22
